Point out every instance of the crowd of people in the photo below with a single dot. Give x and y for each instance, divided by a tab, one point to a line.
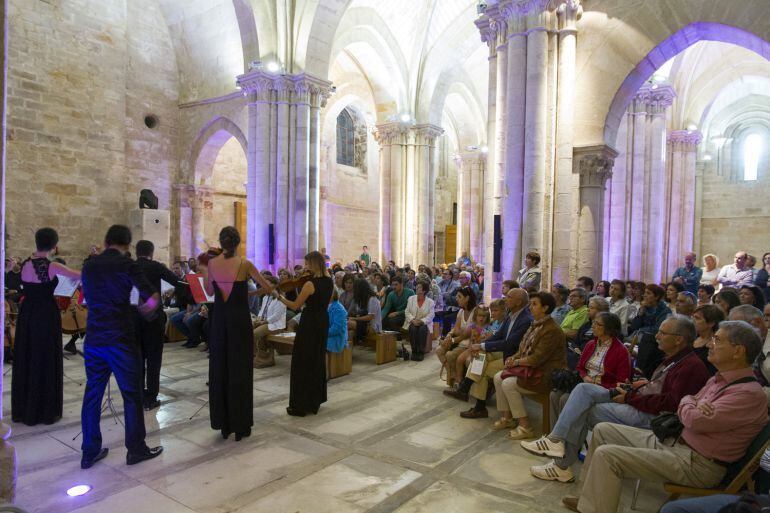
610	357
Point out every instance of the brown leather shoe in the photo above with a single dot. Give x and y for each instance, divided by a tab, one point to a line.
570	502
457	394
473	413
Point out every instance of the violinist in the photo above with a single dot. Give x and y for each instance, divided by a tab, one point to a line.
271	319
149	333
37	389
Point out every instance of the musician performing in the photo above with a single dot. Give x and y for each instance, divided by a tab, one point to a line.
37	387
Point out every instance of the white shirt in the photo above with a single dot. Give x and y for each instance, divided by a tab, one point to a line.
423	313
274	312
620	308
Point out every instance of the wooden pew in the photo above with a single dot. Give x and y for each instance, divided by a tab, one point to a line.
384	345
337	364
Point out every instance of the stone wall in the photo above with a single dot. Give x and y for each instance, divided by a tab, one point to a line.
83	77
227	181
735	214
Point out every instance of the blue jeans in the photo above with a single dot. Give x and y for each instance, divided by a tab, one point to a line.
589	404
710	504
125	361
178	321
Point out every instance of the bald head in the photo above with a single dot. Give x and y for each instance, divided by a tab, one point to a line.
516	299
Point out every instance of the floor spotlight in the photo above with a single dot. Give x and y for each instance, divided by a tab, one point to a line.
77	491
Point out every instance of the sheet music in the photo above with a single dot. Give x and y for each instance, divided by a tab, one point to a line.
66	287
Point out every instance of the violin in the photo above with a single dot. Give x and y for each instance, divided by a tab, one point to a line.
295	283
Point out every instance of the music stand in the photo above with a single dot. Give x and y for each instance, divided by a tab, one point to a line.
107	404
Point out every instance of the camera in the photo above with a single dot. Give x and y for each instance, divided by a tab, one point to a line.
623	386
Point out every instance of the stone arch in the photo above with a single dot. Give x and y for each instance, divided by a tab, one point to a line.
316	37
247	27
205	149
665	50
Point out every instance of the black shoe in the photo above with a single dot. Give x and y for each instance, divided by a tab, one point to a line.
295	413
417	357
88	463
190	344
151	405
148	453
225	434
70	347
245	434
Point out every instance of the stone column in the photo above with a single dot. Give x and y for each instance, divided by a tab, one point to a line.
513	190
280	191
682	146
470	177
593	164
475	219
392	138
488	31
535	138
8	467
201	203
568	13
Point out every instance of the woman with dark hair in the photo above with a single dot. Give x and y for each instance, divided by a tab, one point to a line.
706	319
457	341
762	279
346	297
307	389
365	314
752	295
37	387
645	325
727	299
603	289
231	345
529	275
672	291
418	320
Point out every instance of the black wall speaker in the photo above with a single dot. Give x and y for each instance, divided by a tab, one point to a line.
498	244
148	199
271	243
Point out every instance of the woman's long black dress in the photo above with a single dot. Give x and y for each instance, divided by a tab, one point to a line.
37	386
231	378
308	358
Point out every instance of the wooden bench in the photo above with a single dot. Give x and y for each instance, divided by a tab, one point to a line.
173	334
545	402
384	345
337	364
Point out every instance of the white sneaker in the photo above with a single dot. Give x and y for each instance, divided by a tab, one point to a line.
551	472
544	446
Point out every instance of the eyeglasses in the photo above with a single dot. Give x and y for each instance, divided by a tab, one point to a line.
597	323
661	332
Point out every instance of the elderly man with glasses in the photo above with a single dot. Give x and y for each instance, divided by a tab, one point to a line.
719	423
681	373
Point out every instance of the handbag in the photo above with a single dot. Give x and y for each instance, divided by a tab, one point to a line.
525	372
668	425
565	380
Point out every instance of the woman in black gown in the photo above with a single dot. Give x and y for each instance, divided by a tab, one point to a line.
37	388
308	358
231	345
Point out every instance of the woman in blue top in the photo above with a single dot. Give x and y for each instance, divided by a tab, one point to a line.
337	340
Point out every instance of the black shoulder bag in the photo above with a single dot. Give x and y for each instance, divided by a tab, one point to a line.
667	424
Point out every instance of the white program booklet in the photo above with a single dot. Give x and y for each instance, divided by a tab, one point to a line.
477	366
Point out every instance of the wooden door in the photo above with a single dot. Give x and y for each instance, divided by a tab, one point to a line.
240	223
450	243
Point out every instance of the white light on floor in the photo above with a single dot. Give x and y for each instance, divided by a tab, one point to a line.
77	491
273	66
405	118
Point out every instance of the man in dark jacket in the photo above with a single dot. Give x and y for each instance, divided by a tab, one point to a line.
111	346
500	346
149	333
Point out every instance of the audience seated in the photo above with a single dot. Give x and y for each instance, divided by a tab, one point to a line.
680	374
575	318
706	319
337	339
603	289
395	304
466	281
736	274
710	271
479	324
586	283
672	291
727	299
685	303
752	295
364	314
689	275
762	279
418	320
719	423
457	340
705	294
618	304
498	347
585	333
270	320
529	370
561	295
604	360
644	326
448	287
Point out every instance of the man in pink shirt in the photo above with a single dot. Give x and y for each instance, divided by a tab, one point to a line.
719	422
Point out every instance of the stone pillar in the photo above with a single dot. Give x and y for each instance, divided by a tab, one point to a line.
488	31
470	179
392	138
477	207
8	466
593	165
560	250
682	148
282	190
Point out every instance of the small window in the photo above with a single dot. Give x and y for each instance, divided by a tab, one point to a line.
752	150
346	139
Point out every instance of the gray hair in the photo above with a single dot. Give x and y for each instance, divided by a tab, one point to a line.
748	313
583	293
600	303
684	327
741	333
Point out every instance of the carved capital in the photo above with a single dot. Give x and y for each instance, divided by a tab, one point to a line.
390	133
655	98
299	88
427	133
688	139
593	164
569	12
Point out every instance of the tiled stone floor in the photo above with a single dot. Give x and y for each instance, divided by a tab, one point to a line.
387	440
